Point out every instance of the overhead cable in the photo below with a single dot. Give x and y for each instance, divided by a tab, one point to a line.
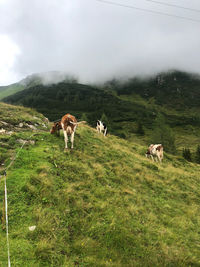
147	10
172	5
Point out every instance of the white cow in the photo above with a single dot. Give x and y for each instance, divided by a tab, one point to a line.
155	152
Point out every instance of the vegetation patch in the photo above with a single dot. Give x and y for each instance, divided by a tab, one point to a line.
102	204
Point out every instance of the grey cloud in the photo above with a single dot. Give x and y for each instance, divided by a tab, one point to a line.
95	41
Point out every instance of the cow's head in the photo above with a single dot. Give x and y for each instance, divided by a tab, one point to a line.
159	147
56	127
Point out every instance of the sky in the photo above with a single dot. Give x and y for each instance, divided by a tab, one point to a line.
95	40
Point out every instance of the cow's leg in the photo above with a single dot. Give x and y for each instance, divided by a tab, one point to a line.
101	128
58	132
152	157
159	158
105	131
72	140
66	138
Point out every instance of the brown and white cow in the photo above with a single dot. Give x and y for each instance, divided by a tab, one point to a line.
155	152
56	128
68	123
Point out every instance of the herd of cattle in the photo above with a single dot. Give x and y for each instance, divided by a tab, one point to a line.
68	124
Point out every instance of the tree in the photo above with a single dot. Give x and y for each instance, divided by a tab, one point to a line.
105	120
140	129
197	156
187	154
84	117
76	99
59	95
163	134
66	100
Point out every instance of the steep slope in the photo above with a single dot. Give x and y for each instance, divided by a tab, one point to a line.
17	122
35	79
102	204
55	100
127	106
175	89
10	90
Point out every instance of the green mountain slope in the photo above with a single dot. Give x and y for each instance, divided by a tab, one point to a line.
34	80
127	105
102	204
10	90
174	89
55	100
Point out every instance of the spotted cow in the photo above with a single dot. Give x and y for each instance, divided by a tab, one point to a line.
101	127
155	152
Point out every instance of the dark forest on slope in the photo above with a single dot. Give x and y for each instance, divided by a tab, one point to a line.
127	108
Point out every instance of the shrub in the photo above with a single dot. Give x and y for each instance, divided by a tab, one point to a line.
84	117
163	134
187	154
140	129
197	156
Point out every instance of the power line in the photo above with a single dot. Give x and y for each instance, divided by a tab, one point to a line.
147	10
172	5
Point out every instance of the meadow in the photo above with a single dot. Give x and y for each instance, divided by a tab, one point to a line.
102	204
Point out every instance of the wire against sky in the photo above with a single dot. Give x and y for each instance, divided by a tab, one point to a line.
147	10
172	5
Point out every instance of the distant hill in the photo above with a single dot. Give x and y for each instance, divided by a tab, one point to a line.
10	89
129	108
55	100
174	89
45	78
102	204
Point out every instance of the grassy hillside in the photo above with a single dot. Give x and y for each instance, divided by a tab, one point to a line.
34	80
10	90
102	204
55	100
127	106
137	99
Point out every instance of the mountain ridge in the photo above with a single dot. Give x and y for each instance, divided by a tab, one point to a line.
125	106
130	108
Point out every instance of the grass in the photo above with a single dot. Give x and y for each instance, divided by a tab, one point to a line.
186	135
102	204
10	89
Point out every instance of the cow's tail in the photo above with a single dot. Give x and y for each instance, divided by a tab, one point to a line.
77	123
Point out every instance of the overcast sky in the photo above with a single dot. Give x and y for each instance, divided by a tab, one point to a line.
96	41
